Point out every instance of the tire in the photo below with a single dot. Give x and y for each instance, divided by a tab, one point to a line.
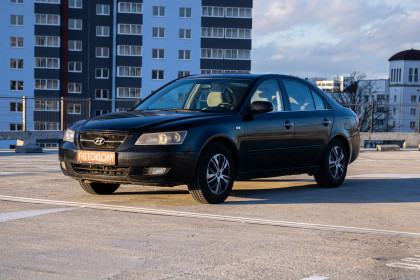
214	175
98	188
333	168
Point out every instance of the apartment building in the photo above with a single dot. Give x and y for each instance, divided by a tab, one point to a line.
75	58
404	90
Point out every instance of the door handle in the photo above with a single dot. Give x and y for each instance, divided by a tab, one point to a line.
288	124
326	122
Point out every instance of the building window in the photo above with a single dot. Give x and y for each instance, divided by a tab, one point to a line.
238	33
129	50
158	53
74	109
239	12
129	29
208	11
183	74
101	94
16	1
416	74
211	71
185	12
159	11
130	8
102	73
46	105
75	24
394	111
102	31
410	75
45	62
16	42
16	127
48	1
16	106
212	32
413	111
412	124
75	4
128	92
158	75
75	87
16	20
16	63
46	84
414	98
47	41
238	54
129	71
101	112
102	52
184	33
158	32
46	125
395	98
212	53
75	45
16	85
103	10
47	19
75	66
184	54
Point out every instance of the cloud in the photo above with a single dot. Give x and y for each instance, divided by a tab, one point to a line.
332	37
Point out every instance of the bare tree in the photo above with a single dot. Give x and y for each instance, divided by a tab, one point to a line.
359	96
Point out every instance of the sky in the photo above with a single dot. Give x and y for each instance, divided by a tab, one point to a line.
324	38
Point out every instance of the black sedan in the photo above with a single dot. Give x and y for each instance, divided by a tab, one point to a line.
208	131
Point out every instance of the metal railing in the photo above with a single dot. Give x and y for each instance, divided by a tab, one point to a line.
383	116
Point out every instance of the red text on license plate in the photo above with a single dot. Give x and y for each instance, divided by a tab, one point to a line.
96	157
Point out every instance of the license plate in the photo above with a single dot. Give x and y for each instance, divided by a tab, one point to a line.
96	157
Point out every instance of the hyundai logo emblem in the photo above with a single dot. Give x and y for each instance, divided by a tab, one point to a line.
99	141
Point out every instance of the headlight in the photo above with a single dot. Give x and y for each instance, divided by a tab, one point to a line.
69	136
162	138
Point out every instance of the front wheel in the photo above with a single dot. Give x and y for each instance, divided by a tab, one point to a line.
214	176
98	188
333	169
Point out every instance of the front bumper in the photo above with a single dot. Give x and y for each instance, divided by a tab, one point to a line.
131	166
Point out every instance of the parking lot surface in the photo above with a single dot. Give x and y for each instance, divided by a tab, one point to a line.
277	228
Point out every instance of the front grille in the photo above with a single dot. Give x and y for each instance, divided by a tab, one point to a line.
112	141
101	169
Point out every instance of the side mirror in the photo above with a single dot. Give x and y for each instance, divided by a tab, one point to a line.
260	107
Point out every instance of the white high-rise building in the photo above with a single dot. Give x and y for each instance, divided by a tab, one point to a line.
404	90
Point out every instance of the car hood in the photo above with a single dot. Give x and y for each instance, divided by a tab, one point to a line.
134	121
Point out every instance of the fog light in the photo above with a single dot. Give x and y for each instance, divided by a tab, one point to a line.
156	170
63	165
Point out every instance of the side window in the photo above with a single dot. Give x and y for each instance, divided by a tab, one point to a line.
300	96
269	91
319	102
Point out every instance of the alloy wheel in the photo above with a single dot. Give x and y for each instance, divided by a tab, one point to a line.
218	174
336	162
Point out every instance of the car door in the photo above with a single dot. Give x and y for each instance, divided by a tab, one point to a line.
313	122
268	137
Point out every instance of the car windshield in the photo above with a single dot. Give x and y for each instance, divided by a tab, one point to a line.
216	95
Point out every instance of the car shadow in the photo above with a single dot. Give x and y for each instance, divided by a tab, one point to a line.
352	191
293	191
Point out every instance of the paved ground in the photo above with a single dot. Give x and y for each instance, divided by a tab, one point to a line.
282	228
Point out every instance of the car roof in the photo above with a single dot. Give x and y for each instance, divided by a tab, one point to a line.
242	76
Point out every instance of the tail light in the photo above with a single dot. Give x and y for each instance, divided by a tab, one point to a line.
357	122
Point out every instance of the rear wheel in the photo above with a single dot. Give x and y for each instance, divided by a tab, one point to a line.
98	188
214	176
333	169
